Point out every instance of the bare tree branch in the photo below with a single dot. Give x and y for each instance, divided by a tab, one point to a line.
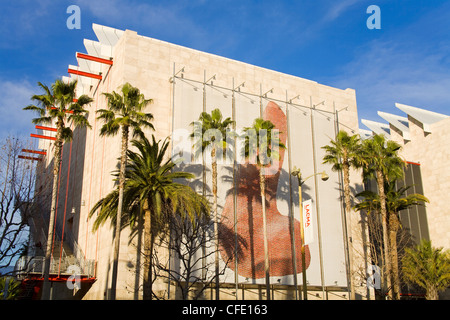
17	178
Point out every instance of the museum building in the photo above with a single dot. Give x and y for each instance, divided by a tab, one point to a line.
183	83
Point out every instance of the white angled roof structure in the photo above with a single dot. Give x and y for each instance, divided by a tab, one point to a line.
107	35
95	48
426	117
365	134
401	123
103	48
377	127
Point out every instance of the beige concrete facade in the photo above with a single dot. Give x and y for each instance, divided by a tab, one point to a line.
432	151
426	142
149	64
424	137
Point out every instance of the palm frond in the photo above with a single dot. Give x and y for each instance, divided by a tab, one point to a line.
42	120
55	104
396	200
66	134
149	182
40	111
211	131
260	142
79	121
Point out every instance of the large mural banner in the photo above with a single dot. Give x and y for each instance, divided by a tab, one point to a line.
303	131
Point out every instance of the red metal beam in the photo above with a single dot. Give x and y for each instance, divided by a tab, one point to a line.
94	58
34	151
61	278
67	111
42	137
46	128
85	74
29	158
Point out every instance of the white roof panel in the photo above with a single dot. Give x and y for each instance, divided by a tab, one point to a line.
426	117
107	35
97	49
401	123
377	127
365	134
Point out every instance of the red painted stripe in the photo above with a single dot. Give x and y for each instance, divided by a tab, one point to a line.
42	137
29	158
46	128
85	74
94	58
34	151
67	111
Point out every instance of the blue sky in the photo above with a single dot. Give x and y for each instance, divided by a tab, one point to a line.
406	61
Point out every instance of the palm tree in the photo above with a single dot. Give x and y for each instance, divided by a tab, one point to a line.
428	267
125	112
379	158
10	289
58	105
209	132
396	201
258	142
150	189
343	154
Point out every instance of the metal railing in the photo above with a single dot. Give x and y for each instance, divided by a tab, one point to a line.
35	266
65	255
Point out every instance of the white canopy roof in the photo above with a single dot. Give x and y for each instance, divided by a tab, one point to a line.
426	117
103	48
365	134
401	123
377	127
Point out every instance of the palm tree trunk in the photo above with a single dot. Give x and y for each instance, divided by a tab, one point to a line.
262	185
51	224
393	228
432	293
216	217
123	163
387	260
148	251
348	208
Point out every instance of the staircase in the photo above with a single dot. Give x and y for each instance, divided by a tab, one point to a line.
64	260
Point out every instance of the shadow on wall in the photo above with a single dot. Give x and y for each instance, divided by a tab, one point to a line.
71	186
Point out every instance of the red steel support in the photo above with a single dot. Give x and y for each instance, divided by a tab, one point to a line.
85	74
67	111
46	128
94	58
29	158
42	137
34	151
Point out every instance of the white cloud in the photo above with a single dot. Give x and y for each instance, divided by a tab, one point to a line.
23	19
386	72
409	64
167	18
337	8
15	96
